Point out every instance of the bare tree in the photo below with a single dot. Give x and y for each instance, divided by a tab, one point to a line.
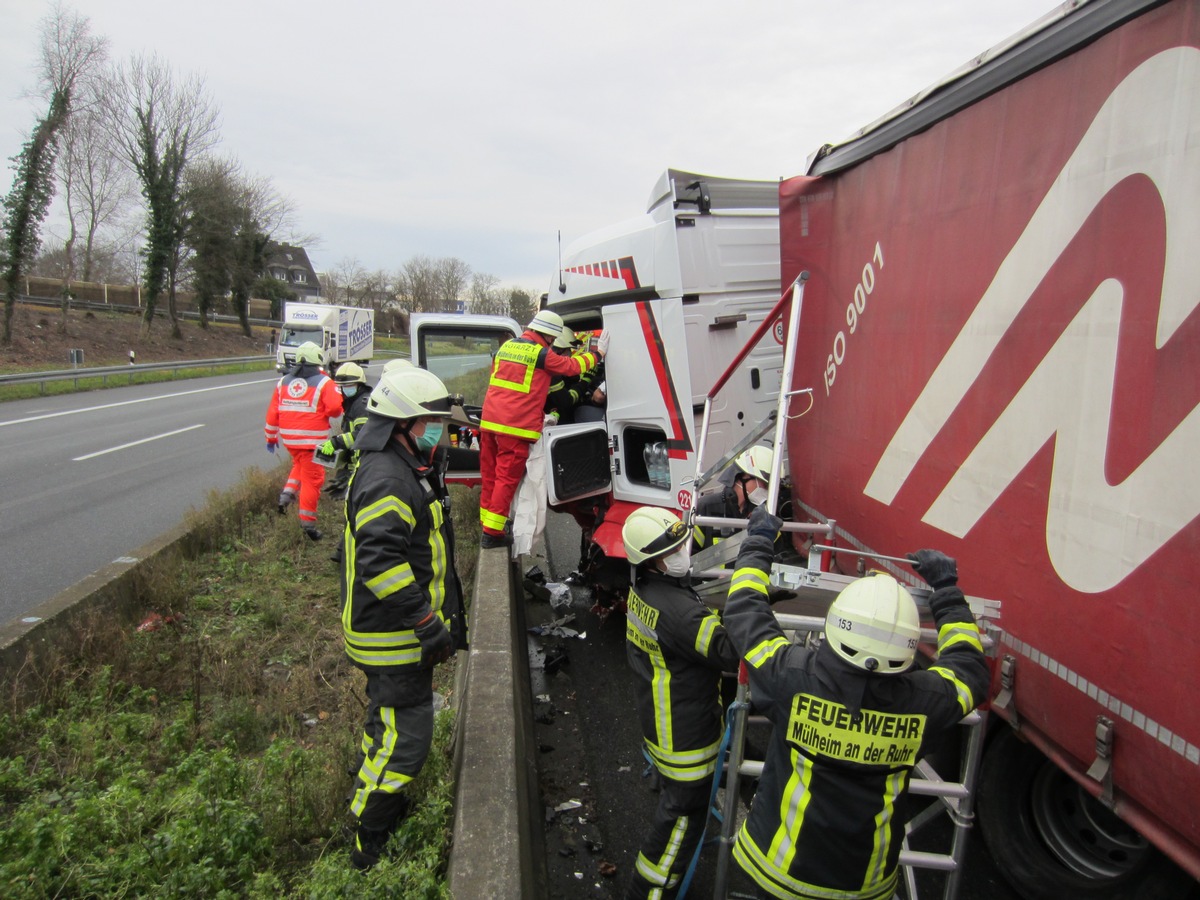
160	124
97	188
343	283
453	275
68	51
420	284
485	295
377	290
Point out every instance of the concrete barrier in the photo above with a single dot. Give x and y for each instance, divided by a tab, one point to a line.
114	590
498	849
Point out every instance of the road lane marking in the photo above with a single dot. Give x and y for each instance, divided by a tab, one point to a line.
71	412
135	443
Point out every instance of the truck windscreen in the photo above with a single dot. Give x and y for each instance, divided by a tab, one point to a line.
294	337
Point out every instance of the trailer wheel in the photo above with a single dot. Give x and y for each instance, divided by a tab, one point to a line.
1051	839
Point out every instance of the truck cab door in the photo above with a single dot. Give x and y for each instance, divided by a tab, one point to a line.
643	450
459	350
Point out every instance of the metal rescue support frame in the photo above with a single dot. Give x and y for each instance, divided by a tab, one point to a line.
956	798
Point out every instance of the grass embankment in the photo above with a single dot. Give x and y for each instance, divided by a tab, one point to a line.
205	755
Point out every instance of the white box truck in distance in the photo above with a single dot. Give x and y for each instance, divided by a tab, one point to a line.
344	333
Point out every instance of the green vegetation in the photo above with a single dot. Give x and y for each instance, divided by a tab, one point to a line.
204	753
388	347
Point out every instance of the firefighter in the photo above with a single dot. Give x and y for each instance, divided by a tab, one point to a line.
677	649
747	489
567	394
402	607
352	382
851	719
513	415
304	402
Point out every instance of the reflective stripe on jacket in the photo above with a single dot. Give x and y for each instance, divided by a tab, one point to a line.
397	561
520	381
304	401
826	819
677	648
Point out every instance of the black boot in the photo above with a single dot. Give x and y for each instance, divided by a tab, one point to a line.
313	532
368	847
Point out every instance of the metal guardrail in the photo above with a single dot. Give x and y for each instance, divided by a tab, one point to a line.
106	372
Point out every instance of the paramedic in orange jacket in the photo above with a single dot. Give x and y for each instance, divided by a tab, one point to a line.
513	415
304	401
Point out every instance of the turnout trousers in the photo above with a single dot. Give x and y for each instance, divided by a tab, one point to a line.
677	827
305	479
395	743
502	460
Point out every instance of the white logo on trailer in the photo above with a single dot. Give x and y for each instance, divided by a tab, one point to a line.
1096	533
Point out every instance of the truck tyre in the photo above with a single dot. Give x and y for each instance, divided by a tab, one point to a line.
1051	840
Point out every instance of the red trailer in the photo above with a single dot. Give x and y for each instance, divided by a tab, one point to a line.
1001	332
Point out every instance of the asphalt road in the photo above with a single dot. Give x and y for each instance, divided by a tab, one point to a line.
589	746
87	478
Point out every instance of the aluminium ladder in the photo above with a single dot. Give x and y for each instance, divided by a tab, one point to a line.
956	798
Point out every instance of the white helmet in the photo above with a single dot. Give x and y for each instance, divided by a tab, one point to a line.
873	625
566	339
651	532
756	462
308	352
547	323
350	373
398	363
407	393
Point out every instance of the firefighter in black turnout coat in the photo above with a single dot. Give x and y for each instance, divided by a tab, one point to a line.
402	605
851	719
678	649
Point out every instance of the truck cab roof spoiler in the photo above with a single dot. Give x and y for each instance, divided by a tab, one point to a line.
1056	34
706	193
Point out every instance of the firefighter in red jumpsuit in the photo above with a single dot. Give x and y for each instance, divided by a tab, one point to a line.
304	401
513	415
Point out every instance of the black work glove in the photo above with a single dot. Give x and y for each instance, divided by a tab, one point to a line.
935	567
436	644
762	524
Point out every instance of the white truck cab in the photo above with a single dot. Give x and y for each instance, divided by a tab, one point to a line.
679	289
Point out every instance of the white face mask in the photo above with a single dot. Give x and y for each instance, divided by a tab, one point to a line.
678	563
758	496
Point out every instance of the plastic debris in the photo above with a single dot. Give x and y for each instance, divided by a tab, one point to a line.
560	595
568	805
556	628
154	621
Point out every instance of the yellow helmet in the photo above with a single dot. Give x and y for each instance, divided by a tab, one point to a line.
651	532
308	352
350	373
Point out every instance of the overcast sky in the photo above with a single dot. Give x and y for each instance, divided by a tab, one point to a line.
480	130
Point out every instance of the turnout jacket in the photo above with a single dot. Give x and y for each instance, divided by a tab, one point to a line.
824	823
354	416
397	560
304	401
677	648
520	382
